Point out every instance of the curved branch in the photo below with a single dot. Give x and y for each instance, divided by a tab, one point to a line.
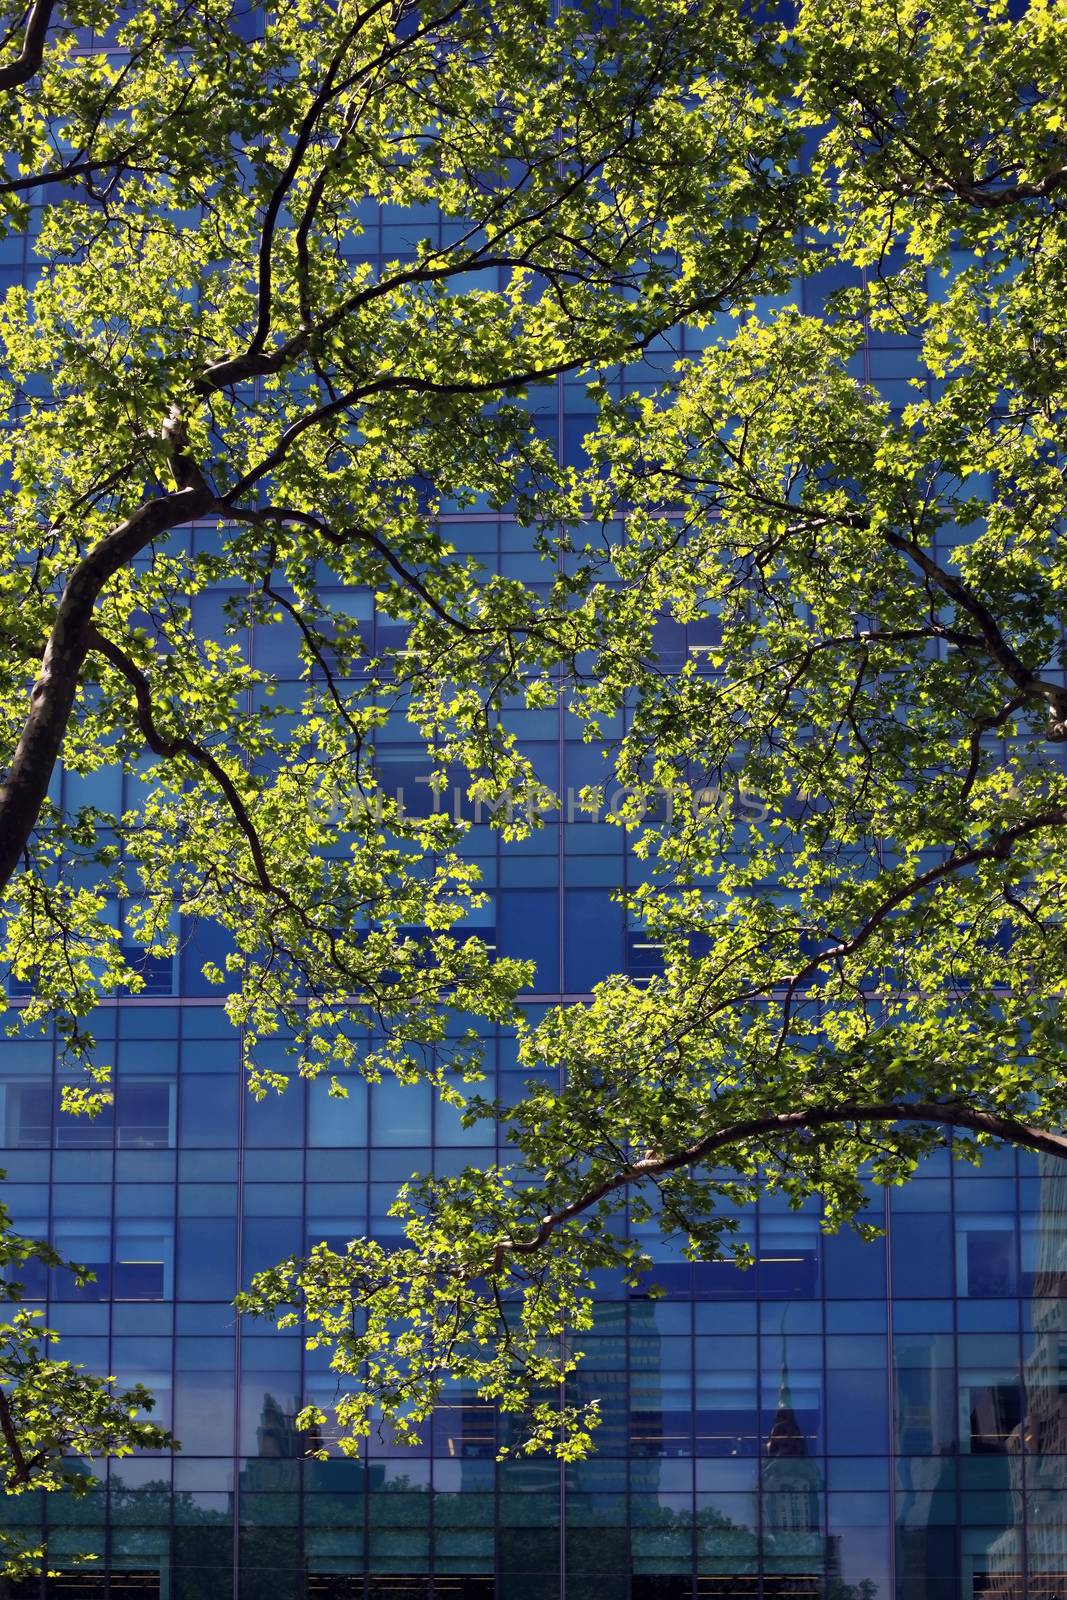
327	90
160	745
21	1469
317	653
32	53
1029	683
1025	679
205	759
25	786
339	538
948	1113
414	384
255	363
999	848
331	88
984	192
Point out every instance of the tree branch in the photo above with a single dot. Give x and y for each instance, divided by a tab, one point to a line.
339	537
32	53
203	757
998	849
1023	677
52	697
328	89
970	189
948	1113
160	745
22	1468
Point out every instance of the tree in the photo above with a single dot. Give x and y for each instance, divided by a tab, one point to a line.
877	962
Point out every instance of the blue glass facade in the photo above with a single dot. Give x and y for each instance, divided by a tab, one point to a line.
847	1421
892	1414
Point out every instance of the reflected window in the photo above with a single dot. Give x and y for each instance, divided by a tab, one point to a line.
139	1266
156	971
337	1123
644	954
27	1114
994	1411
88	1244
725	1417
661	1433
789	1256
985	1260
466	1429
924	1394
144	1114
81	1586
81	1132
144	1260
397	1587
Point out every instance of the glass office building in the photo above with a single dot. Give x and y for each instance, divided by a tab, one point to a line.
845	1421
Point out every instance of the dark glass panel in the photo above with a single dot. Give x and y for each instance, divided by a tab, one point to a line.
207	1258
921	1248
144	1114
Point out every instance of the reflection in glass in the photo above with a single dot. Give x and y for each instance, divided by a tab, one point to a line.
1037	1445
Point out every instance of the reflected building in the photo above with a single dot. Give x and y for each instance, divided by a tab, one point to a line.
1037	1445
800	1561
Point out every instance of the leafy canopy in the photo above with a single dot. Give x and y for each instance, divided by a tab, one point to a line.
224	407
